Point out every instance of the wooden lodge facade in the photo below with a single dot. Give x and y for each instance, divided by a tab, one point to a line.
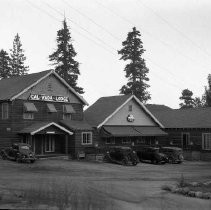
123	120
43	110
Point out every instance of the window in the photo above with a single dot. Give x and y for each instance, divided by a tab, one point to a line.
126	141
25	139
51	108
66	116
130	108
67	111
109	141
206	141
5	111
28	115
49	144
29	109
86	138
141	141
185	140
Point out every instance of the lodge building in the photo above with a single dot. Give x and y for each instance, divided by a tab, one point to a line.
43	110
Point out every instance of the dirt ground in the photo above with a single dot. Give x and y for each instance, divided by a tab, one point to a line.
126	187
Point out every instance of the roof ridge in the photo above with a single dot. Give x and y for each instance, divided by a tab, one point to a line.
25	75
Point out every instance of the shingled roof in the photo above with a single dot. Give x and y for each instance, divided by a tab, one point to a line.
14	85
157	107
97	114
184	118
103	107
10	88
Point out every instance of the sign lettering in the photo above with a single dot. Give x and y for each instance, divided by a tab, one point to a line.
37	97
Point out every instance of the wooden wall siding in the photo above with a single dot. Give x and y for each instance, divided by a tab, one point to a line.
10	127
51	86
141	117
175	135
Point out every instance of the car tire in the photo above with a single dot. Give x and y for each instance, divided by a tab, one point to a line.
124	162
170	160
134	163
154	162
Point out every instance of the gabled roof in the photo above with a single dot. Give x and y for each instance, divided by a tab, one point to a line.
76	125
105	107
184	118
13	87
157	107
39	126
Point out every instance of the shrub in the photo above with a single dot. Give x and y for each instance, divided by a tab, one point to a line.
66	195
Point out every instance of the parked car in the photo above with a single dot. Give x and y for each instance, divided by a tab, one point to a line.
19	152
174	154
121	155
152	154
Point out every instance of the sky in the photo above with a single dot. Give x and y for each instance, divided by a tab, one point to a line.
176	35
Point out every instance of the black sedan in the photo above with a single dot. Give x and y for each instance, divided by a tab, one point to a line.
152	154
121	155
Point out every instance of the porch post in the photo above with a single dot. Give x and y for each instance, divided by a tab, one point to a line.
66	144
30	141
43	142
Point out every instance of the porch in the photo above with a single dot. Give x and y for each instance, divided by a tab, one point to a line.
47	139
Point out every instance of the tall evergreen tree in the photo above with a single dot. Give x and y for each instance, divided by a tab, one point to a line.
63	58
5	70
188	100
18	58
136	70
207	94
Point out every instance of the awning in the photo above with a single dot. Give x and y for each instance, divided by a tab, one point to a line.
150	131
29	107
51	108
68	109
120	131
132	131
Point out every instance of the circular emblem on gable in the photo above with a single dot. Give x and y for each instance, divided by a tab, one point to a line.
130	118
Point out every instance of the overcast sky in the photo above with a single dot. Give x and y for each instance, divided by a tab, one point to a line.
176	35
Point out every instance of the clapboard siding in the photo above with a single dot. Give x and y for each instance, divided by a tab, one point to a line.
9	128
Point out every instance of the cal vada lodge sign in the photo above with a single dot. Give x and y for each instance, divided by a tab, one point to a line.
37	97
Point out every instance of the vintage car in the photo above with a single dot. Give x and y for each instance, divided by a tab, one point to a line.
174	154
152	154
19	152
121	155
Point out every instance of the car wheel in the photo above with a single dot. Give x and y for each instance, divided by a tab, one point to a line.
124	162
154	161
170	160
134	163
32	161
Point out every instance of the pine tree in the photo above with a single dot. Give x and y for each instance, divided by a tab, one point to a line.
136	70
187	97
63	58
5	70
18	58
207	94
199	102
